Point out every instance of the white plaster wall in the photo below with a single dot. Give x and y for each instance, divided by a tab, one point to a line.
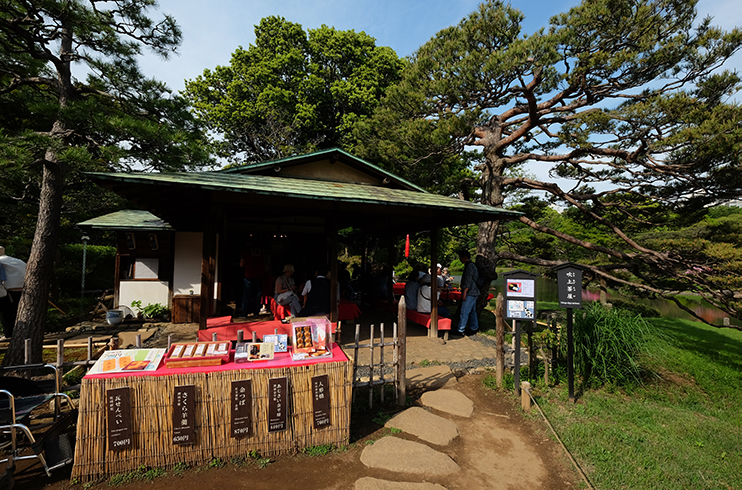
149	292
187	266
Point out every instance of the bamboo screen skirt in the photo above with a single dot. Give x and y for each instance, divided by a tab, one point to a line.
152	417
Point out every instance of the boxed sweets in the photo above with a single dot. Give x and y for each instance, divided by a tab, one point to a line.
194	354
253	351
311	340
280	341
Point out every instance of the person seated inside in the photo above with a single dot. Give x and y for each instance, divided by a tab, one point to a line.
423	299
411	288
285	290
316	294
447	279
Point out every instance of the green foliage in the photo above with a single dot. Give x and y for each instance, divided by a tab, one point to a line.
293	91
320	450
622	101
677	431
156	310
609	343
141	474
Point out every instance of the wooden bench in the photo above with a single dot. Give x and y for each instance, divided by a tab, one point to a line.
424	319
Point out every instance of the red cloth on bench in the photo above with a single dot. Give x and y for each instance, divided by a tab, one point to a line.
424	319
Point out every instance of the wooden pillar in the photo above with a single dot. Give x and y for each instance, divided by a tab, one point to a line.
334	268
390	260
208	268
433	283
402	353
364	264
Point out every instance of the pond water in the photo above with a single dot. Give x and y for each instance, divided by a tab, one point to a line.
546	290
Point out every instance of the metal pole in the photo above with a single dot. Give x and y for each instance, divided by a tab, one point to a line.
570	356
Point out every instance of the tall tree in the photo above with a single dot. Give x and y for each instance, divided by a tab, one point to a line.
293	91
116	119
622	97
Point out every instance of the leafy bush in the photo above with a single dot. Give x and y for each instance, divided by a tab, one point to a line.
608	345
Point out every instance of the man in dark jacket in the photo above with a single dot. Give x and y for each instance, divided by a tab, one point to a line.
316	294
469	294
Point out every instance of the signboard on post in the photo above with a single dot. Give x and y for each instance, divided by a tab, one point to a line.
277	404
119	419
241	408
520	295
184	415
569	283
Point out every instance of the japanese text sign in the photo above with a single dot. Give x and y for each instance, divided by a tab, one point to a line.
184	415
321	401
118	407
277	404
241	408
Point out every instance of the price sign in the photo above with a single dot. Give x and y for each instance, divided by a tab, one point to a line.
118	407
277	404
321	401
241	408
184	415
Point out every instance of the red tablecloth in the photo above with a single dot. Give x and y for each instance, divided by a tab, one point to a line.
281	360
228	331
446	294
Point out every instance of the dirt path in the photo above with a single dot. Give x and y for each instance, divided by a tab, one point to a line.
497	448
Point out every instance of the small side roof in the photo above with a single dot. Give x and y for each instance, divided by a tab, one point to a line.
128	219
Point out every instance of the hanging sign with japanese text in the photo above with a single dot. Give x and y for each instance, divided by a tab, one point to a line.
241	408
277	403
569	280
321	401
184	415
118	402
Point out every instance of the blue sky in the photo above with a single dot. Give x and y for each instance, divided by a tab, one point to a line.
213	30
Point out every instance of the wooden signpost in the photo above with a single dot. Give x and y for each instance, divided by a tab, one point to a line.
569	283
520	305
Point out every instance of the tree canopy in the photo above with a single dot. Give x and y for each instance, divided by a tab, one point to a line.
624	100
56	125
293	91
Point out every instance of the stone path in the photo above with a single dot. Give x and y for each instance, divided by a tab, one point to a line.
418	459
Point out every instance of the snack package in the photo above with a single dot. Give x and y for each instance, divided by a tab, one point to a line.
260	351
311	339
280	341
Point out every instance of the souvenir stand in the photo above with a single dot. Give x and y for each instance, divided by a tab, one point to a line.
280	405
180	247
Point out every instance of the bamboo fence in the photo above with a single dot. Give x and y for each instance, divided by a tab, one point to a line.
152	425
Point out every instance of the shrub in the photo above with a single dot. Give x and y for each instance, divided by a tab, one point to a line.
608	345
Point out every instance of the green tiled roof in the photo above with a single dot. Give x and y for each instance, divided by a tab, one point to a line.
303	189
319	155
128	219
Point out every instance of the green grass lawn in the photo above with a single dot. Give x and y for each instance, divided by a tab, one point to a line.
682	429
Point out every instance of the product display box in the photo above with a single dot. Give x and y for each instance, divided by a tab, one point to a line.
194	354
254	351
311	339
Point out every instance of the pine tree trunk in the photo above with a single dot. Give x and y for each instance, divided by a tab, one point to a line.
34	302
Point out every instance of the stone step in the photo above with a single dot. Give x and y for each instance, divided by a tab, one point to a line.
449	401
368	483
425	425
400	456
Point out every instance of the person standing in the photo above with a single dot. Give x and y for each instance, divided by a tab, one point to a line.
469	294
12	275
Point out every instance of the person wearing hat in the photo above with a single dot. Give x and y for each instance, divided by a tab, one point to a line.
12	277
424	295
285	290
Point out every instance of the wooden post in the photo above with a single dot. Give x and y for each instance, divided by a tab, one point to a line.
402	353
208	266
169	342
90	348
137	341
499	340
381	362
240	335
213	337
525	398
570	356
60	353
434	283
334	305
516	358
371	370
